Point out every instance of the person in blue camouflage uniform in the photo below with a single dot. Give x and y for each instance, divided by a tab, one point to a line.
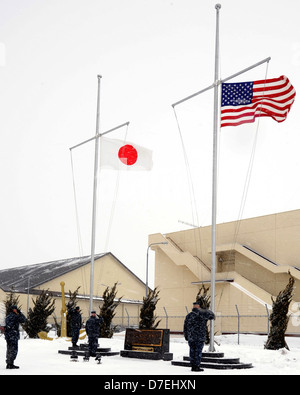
12	335
92	328
195	333
75	322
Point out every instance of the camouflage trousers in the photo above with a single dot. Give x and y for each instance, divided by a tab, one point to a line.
196	348
93	345
11	350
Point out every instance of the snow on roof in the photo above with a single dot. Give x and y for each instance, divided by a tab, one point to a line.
19	278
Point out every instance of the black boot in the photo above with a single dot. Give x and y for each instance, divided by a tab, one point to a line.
197	369
11	366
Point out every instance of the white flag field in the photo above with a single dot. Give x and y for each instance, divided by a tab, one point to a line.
120	155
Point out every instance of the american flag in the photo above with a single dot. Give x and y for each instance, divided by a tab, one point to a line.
242	102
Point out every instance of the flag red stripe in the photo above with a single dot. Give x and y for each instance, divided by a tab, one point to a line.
278	90
270	80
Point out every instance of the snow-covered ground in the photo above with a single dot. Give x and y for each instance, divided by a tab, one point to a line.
41	357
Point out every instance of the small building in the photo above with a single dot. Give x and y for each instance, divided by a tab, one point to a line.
28	281
254	259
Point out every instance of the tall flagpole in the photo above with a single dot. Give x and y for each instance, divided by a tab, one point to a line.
96	170
215	85
96	167
214	179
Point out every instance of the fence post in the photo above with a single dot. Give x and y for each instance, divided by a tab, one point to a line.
238	323
128	318
167	318
268	318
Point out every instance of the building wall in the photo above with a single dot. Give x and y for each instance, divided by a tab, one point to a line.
2	296
183	264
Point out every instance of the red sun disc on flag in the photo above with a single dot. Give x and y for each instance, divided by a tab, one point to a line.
128	155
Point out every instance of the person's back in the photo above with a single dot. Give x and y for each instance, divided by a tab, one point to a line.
76	319
195	324
195	333
92	328
76	323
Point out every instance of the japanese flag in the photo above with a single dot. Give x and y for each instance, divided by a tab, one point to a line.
120	155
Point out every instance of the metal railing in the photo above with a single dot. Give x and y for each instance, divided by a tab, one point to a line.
224	324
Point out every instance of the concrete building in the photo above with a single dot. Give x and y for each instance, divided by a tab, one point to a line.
254	258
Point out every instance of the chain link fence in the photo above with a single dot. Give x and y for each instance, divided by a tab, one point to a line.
224	324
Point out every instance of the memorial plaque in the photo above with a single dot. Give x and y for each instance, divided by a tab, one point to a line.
141	343
143	337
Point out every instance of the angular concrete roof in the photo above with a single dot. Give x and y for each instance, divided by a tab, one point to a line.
40	273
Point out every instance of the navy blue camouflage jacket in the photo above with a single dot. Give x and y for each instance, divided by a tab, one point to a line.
76	319
92	326
195	324
12	323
